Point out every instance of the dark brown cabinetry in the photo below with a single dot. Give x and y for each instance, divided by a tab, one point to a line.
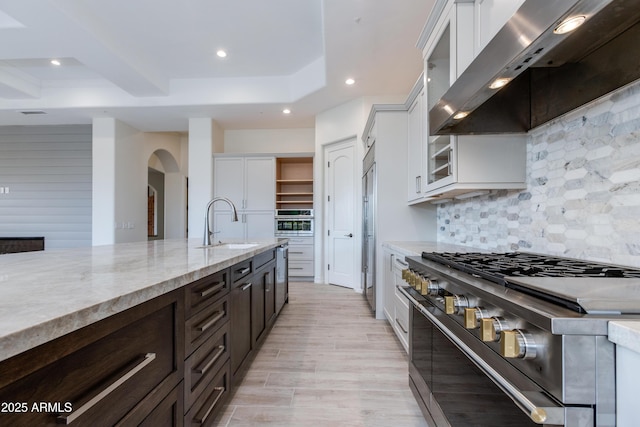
207	347
121	368
170	361
240	322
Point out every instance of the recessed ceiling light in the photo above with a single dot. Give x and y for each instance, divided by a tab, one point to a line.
56	62
286	111
349	81
221	53
570	24
498	83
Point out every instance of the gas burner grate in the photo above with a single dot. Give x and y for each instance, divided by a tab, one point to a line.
496	266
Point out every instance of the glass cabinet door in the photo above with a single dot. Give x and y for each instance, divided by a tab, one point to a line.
438	68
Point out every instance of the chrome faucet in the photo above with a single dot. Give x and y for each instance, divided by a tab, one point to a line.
207	230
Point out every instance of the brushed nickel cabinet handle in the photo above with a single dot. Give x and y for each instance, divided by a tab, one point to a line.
202	419
247	286
131	370
211	322
210	363
243	270
404	331
215	288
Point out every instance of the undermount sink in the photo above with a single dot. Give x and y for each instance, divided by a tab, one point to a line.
238	245
230	246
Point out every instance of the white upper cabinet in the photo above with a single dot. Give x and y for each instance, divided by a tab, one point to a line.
248	181
466	164
415	149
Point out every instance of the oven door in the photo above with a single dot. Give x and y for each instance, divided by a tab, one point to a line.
462	383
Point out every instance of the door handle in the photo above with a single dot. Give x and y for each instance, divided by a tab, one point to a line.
348	235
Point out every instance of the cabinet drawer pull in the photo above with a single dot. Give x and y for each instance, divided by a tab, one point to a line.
210	363
211	322
296	268
215	288
243	270
202	419
247	286
404	331
131	370
296	252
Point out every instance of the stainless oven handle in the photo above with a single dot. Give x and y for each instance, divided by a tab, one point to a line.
539	415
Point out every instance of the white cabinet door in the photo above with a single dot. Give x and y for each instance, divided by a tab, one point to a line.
228	180
415	164
258	225
224	229
250	182
260	183
250	225
388	286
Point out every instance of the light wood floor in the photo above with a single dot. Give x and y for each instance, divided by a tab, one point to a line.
326	362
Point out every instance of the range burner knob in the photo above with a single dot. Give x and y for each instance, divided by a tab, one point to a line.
453	303
473	315
491	327
517	344
429	287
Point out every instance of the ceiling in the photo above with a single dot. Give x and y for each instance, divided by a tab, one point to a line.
153	63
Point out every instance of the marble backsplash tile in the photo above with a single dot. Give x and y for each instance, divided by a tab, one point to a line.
583	190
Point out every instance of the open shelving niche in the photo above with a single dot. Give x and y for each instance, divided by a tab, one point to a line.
294	183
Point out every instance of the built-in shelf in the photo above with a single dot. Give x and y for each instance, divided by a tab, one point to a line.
294	182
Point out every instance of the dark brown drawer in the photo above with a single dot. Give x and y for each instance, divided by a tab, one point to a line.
100	383
205	323
206	290
201	367
263	258
211	400
240	270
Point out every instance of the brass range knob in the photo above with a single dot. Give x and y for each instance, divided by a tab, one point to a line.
491	327
454	303
429	287
517	343
472	317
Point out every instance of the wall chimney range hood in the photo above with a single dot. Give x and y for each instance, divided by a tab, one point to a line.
549	74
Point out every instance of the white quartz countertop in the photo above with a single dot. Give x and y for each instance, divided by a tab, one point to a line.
625	333
47	294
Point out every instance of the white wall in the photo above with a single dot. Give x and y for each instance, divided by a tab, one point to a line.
120	173
269	141
48	172
338	124
205	138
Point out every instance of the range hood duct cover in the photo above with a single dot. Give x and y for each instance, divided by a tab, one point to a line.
552	75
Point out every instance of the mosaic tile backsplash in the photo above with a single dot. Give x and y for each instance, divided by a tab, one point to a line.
583	190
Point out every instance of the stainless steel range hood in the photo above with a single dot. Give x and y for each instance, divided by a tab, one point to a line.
550	74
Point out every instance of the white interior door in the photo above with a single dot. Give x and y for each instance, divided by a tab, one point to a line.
341	222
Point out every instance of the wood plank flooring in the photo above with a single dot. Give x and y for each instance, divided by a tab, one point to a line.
326	362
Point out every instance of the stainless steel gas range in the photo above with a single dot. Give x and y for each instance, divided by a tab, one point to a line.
515	339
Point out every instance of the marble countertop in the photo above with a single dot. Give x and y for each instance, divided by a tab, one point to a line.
625	333
410	248
47	294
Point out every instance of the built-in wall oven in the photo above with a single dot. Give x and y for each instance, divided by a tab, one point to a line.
294	222
515	339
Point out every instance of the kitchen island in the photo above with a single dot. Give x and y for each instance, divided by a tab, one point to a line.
100	315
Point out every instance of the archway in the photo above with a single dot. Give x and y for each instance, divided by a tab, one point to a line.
167	211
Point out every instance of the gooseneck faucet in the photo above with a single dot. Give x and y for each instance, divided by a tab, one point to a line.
207	230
